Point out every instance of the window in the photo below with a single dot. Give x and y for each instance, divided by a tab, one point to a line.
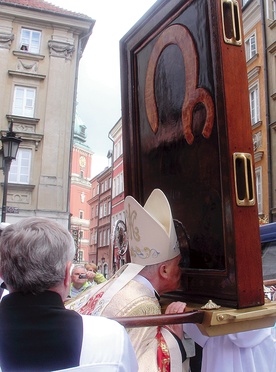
23	101
91	239
118	186
244	2
254	103
114	187
81	215
251	47
108	236
81	234
101	239
121	182
104	209
101	211
271	9
80	256
21	167
30	40
259	192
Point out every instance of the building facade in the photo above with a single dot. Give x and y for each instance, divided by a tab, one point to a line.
254	45
259	24
40	49
94	213
118	196
100	220
269	14
80	192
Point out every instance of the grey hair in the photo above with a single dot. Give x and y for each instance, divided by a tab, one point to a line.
150	270
78	266
34	253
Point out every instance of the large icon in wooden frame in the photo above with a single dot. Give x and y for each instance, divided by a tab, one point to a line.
187	131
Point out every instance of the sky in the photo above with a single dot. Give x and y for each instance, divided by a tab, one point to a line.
99	93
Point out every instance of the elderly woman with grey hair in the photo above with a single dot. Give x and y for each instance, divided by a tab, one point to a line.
36	331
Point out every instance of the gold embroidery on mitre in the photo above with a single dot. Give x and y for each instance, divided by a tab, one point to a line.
132	230
144	253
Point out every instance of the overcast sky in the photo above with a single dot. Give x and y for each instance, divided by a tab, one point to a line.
99	97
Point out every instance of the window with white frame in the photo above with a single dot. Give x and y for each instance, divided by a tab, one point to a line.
30	40
118	186
100	239
271	9
254	103
104	237
24	101
101	211
117	150
21	167
114	188
109	207
80	256
121	182
259	191
105	209
251	47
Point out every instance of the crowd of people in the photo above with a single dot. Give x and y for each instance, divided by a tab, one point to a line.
55	316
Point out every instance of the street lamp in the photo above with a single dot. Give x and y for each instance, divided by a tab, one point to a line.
10	144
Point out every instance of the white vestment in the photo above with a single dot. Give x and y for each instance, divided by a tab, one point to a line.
105	348
134	296
251	351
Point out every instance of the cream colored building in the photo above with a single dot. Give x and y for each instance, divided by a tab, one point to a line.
270	48
40	49
259	24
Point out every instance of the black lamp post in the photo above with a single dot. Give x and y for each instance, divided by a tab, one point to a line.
10	145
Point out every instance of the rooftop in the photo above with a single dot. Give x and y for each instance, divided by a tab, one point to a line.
41	5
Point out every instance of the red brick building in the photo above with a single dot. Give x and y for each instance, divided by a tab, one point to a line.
80	192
